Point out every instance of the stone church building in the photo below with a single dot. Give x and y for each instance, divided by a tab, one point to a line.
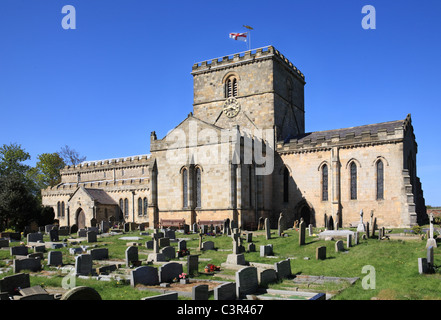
243	153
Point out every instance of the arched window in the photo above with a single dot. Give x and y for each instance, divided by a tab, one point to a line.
139	206
58	208
185	188
198	187
325	183
285	185
62	208
380	180
121	205
231	87
353	169
145	206
126	207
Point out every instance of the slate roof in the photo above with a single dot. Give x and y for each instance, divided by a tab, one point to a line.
100	196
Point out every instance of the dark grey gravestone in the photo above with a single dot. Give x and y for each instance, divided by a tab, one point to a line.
320	253
208	245
83	264
339	246
422	266
249	237
182	245
169	252
131	255
199	292
246	281
192	264
267	276
267	229
149	244
145	275
53	235
165	296
91	236
31	264
283	269
226	291
55	258
4	243
169	271
163	242
10	283
302	232
82	233
18	251
251	247
348	240
81	293
34	237
99	253
266	250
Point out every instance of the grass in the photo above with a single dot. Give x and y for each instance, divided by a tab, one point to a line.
394	263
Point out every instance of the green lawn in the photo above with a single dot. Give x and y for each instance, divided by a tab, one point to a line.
394	263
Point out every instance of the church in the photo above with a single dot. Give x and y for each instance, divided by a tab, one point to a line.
243	154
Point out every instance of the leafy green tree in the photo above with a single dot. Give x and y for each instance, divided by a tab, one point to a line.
11	158
46	172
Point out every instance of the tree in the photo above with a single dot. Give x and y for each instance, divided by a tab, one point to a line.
11	158
70	156
46	172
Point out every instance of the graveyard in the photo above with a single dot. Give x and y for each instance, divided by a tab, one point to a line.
129	262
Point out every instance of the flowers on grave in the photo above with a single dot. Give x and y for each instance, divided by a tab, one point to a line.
211	268
183	252
183	275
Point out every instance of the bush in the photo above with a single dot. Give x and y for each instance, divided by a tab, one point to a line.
416	229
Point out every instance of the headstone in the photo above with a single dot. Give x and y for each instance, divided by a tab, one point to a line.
280	225
195	227
310	230
170	234
367	230
169	252
81	293
34	237
249	237
261	223
192	264
149	244
99	253
267	276
226	229
83	264
39	248
302	233
267	229
82	233
199	292
226	291
339	246
251	247
422	266
246	281
91	236
164	242
169	271
131	255
186	228
32	264
266	250
18	251
4	243
104	226
208	245
283	269
430	260
55	258
320	253
145	275
53	235
374	227
236	259
182	245
164	296
348	240
9	284
356	238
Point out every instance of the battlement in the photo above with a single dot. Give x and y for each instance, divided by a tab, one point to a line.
101	164
244	57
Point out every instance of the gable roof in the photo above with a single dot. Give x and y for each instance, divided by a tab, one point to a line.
98	195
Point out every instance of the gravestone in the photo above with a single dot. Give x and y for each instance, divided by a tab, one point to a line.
81	293
302	233
55	258
280	225
163	242
261	223
283	269
170	234
195	227
266	250
356	238
267	276
186	229
430	260
226	229
18	251
236	259
251	247
53	235
348	240
310	230
249	237
32	264
199	292
104	226
82	233
226	291
145	275
10	283
339	246
208	245
169	252
374	227
246	281
169	271
4	243
164	296
34	237
267	229
367	234
91	236
149	244
320	253
83	264
423	268
99	253
131	255
192	264
182	245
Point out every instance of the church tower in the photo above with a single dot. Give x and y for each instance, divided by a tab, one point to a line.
257	89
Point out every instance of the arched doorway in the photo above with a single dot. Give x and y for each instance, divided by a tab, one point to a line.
305	213
81	219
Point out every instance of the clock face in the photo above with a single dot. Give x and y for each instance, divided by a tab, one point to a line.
231	107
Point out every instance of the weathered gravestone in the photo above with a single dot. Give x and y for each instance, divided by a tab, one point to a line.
266	250
302	232
83	264
81	293
246	281
422	266
145	275
55	258
249	237
226	291
251	247
283	269
267	229
280	225
267	276
149	244
131	255
339	246
199	292
169	271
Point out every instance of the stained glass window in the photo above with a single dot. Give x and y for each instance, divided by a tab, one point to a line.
380	180
325	183
353	181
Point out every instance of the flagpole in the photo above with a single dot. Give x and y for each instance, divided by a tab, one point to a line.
249	35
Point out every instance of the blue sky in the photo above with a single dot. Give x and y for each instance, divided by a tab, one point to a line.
125	70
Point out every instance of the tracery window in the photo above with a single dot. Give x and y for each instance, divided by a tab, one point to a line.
325	183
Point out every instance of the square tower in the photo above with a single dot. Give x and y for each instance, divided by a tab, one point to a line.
257	89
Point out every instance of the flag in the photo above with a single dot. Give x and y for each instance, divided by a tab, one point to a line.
239	36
